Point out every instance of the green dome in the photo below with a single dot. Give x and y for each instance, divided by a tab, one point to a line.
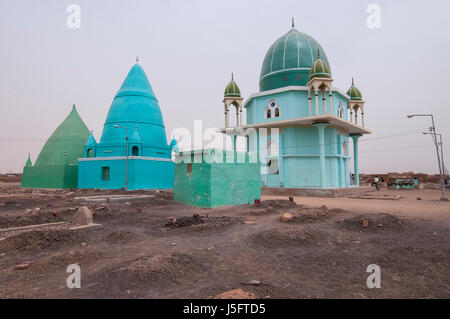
289	60
232	89
66	144
319	69
354	92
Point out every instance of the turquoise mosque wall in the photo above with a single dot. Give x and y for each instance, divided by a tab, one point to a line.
299	147
294	104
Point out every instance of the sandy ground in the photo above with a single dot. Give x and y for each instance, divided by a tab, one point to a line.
157	248
430	207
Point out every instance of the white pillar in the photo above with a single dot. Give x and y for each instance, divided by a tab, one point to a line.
226	115
309	101
317	101
331	102
280	158
323	101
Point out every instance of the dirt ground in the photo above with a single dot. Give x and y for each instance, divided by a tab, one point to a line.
157	248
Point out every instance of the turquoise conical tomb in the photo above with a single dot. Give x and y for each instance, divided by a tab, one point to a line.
133	152
135	103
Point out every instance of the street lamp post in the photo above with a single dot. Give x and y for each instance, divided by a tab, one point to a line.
117	126
442	150
433	132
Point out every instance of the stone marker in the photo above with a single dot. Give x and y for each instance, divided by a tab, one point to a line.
22	266
365	223
286	217
83	216
254	282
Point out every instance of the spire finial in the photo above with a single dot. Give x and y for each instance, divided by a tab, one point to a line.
353	82
293	24
318	53
137	59
232	76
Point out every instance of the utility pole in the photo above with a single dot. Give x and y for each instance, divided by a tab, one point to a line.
433	132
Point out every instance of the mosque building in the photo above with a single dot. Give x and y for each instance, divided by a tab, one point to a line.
302	124
57	163
133	152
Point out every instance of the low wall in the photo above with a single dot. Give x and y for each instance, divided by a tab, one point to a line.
308	192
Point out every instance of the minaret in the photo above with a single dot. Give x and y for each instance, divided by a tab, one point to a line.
355	103
232	96
320	80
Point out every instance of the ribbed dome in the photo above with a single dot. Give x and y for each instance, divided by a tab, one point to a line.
66	144
135	103
289	60
319	69
354	92
232	89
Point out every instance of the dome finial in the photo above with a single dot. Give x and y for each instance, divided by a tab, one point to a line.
353	82
232	76
318	53
293	24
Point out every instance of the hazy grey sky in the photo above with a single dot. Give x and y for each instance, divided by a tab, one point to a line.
188	50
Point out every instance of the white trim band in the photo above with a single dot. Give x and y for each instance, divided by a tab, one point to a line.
115	158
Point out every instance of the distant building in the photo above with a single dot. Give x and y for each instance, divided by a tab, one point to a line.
302	123
57	163
133	149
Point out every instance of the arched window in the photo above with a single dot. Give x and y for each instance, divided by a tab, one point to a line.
135	151
272	109
90	152
277	112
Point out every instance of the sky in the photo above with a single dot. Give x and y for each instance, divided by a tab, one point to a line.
189	49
